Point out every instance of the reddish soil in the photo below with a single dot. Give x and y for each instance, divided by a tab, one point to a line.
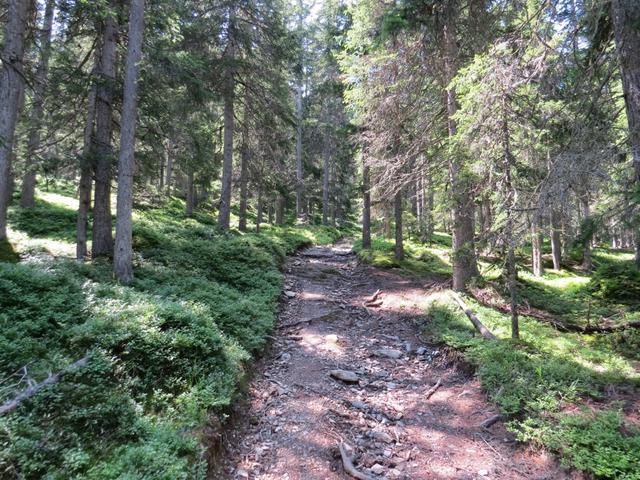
296	415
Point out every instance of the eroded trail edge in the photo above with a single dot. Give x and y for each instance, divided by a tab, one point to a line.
341	373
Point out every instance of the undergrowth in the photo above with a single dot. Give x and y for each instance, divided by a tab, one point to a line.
166	354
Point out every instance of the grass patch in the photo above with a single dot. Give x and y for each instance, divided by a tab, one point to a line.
165	352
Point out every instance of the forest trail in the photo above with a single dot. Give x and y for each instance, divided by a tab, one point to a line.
297	415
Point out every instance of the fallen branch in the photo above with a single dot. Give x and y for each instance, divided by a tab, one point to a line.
484	331
433	389
490	421
347	463
309	320
32	390
376	304
373	297
373	300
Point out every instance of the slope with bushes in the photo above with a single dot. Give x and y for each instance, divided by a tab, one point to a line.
166	354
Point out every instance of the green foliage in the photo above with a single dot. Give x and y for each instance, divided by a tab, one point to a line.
164	353
591	441
619	282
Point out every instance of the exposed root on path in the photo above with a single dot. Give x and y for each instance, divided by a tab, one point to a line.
347	463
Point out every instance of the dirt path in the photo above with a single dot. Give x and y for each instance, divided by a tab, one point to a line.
297	414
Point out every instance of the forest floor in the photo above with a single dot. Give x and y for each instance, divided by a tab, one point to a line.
390	421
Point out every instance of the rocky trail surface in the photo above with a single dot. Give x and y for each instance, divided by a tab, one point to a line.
350	390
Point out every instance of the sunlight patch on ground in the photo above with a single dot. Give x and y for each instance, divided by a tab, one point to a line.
26	245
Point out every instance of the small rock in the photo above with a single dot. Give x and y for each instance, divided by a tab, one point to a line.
382	436
377	469
332	339
285	357
387	453
344	375
359	405
242	473
290	294
389	353
421	351
483	472
408	347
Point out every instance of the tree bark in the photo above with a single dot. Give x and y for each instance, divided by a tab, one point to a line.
244	177
587	260
397	211
86	166
169	171
299	165
536	246
259	210
463	255
11	94
626	20
224	213
280	205
556	245
191	195
123	253
102	226
366	206
27	197
325	181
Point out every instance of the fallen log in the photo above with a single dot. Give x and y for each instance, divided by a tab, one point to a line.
347	463
484	331
490	421
32	390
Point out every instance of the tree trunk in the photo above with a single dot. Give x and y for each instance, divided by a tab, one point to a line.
626	20
509	196
463	255
224	213
366	206
102	236
244	177
123	253
587	261
556	245
169	171
27	197
259	210
86	166
536	246
191	195
299	166
397	211
280	205
325	181
11	94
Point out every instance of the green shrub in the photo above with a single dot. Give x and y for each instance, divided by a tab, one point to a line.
618	281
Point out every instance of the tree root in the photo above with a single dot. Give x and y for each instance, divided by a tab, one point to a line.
347	463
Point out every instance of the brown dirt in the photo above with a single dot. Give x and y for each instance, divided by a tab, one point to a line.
296	415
